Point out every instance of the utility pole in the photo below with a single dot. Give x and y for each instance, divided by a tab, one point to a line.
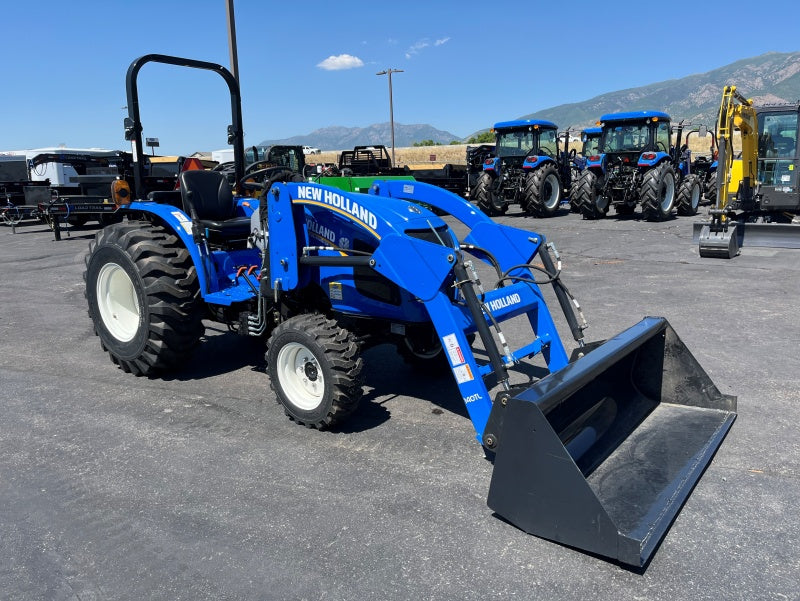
234	56
391	107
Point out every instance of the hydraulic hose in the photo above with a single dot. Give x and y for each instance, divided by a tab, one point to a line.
561	295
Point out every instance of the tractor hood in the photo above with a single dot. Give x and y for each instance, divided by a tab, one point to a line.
378	215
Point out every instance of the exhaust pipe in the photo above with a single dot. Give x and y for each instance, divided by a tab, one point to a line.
602	454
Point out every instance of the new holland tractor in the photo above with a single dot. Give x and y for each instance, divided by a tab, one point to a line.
637	165
599	454
526	169
590	142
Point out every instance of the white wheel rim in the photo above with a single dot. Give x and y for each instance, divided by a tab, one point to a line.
300	376
555	191
669	193
117	301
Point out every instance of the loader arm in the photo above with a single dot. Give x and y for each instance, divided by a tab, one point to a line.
736	112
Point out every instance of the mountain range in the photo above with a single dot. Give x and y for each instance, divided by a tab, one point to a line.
770	78
339	138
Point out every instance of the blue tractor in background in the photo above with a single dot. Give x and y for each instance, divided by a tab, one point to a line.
526	168
638	165
590	142
703	164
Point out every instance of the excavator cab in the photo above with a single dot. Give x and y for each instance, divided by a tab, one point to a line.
778	157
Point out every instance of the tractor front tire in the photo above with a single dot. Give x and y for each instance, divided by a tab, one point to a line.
484	196
657	193
593	205
315	370
542	191
143	297
689	193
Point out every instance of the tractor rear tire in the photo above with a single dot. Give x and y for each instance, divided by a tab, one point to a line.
486	199
689	194
315	370
542	191
143	297
421	349
657	193
593	205
574	205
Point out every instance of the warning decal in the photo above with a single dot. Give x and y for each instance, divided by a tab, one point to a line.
453	350
463	373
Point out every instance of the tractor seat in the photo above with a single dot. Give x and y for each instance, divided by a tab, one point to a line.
210	195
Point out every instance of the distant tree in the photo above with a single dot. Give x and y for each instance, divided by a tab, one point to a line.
427	143
485	137
456	142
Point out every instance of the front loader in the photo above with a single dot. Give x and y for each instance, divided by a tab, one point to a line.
599	454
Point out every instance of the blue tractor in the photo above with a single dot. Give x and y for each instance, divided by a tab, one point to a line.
637	165
526	168
322	274
590	141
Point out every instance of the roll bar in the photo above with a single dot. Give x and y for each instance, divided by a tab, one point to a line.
133	124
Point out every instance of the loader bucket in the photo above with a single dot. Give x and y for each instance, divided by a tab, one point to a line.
602	454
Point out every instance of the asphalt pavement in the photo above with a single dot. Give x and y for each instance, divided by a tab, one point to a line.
196	486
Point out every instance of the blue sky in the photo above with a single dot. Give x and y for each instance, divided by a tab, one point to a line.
308	65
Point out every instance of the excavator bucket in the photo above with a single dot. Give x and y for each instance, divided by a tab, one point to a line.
602	454
718	244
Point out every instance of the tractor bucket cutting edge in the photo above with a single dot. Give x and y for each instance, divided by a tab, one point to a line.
602	454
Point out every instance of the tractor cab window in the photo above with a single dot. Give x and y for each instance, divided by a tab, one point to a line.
777	149
547	143
625	138
663	136
515	143
777	135
591	145
253	154
287	156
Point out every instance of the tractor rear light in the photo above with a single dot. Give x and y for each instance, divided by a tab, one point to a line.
530	161
649	156
594	158
120	193
488	161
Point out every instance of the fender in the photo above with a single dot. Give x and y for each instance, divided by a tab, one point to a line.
651	159
212	267
492	164
535	162
597	163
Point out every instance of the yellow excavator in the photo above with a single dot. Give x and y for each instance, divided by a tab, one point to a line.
758	198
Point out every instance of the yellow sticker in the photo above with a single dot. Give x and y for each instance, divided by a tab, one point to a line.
791	167
335	290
